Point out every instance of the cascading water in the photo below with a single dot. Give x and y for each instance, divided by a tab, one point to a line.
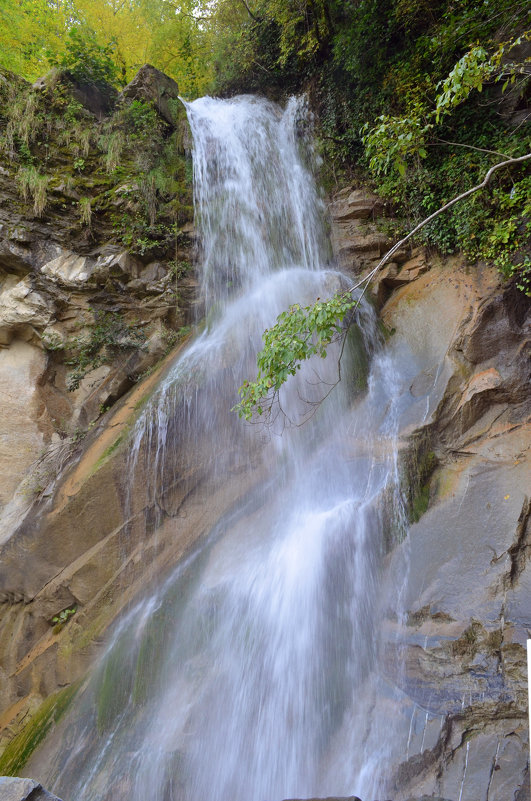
249	675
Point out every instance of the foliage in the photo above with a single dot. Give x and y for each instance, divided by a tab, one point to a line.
64	615
85	211
85	59
109	334
34	185
299	333
29	29
393	140
107	40
128	169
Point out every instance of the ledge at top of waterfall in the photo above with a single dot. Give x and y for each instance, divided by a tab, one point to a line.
257	209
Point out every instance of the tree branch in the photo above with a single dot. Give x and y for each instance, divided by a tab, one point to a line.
256	19
462	196
470	147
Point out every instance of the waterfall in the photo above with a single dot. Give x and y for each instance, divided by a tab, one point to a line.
250	673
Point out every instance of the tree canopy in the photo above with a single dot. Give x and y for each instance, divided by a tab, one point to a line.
123	34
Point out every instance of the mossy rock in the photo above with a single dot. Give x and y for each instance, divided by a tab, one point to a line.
24	744
416	470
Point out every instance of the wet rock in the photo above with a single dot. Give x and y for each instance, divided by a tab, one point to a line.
460	662
14	789
330	798
428	798
153	86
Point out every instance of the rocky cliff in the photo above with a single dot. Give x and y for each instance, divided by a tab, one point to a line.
95	255
460	661
96	288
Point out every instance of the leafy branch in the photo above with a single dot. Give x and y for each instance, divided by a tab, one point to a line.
302	332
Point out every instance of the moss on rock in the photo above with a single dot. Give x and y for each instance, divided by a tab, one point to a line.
24	744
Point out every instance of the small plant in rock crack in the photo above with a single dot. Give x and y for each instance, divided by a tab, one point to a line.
108	335
63	616
58	621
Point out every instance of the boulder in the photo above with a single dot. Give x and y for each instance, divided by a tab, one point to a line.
22	309
153	86
98	98
14	789
69	269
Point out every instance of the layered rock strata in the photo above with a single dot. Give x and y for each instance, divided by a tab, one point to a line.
459	663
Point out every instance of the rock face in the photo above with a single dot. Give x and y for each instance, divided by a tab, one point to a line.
151	85
460	662
359	242
87	308
68	285
13	789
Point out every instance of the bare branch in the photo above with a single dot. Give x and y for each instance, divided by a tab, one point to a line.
256	19
462	196
470	147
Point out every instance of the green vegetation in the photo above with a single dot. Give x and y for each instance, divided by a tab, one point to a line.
114	685
59	621
109	334
299	333
417	468
84	59
107	41
127	171
21	747
33	185
63	616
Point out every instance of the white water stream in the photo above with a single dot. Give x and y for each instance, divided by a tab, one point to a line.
251	674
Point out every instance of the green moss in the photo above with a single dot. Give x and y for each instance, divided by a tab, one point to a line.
468	643
149	660
420	503
24	744
386	332
417	468
358	373
494	641
111	449
142	402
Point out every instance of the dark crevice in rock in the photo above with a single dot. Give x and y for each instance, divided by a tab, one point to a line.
520	550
